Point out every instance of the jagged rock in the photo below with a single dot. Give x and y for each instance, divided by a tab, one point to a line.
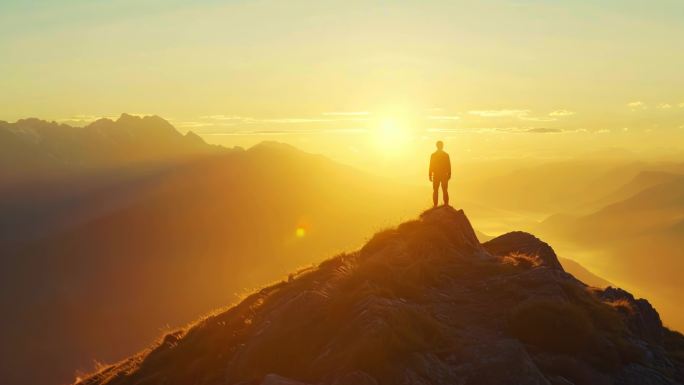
456	225
523	243
642	318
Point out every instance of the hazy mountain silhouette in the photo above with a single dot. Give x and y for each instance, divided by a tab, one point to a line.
160	244
574	186
648	211
32	148
648	222
423	303
54	176
644	180
584	275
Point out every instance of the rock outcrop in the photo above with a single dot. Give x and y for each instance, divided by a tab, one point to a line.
518	242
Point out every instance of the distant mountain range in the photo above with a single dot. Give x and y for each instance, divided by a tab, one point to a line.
656	207
577	186
640	236
31	147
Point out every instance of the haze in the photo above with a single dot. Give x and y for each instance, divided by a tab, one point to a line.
183	153
360	82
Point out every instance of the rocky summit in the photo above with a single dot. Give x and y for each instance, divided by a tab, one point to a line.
423	303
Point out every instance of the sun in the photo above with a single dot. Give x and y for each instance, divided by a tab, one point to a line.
391	135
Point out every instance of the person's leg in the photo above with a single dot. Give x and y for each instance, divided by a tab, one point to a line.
445	191
435	190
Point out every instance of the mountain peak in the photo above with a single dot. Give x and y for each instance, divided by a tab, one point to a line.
148	122
422	303
191	137
456	224
272	145
124	117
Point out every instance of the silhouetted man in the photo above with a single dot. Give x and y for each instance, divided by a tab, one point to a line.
440	173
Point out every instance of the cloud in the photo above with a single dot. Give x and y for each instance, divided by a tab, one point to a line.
544	130
538	118
513	113
447	130
296	120
297	131
561	113
345	130
79	118
191	124
636	105
86	118
82	119
333	117
257	133
603	131
444	117
500	113
509	130
352	113
664	106
477	130
228	118
681	105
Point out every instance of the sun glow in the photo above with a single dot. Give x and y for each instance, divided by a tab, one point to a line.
391	135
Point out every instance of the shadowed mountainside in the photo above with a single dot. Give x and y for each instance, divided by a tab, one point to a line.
424	303
159	247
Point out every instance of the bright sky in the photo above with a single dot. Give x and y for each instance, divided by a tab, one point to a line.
361	81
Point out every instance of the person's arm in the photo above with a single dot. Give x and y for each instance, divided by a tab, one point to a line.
432	166
448	167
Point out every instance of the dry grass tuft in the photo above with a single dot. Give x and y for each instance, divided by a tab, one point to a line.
622	305
522	260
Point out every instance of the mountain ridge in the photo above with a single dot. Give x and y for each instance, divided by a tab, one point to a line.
421	303
32	147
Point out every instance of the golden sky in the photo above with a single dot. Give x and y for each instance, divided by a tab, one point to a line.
494	79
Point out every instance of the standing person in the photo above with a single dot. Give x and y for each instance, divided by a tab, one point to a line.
440	173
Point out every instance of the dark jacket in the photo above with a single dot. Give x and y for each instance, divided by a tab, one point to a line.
440	165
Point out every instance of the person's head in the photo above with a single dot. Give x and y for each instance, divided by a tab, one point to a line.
439	144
